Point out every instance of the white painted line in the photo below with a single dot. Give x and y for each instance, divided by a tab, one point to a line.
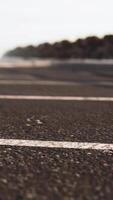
54	83
33	82
61	98
55	144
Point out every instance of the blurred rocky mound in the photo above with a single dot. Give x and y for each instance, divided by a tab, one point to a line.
90	47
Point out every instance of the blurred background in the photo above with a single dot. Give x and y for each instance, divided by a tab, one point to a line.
63	40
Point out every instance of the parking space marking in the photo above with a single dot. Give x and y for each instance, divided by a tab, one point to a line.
56	144
38	82
61	98
54	83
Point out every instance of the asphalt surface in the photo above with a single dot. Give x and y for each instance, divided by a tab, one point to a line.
60	121
28	173
49	174
57	90
61	72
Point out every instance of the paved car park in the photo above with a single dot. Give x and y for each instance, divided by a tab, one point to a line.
56	148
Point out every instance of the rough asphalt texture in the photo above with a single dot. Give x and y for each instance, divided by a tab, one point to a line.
57	120
57	174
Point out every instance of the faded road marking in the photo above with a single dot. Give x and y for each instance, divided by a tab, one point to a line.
56	144
37	82
55	83
61	98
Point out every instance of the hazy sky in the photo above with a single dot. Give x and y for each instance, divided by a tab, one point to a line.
25	22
